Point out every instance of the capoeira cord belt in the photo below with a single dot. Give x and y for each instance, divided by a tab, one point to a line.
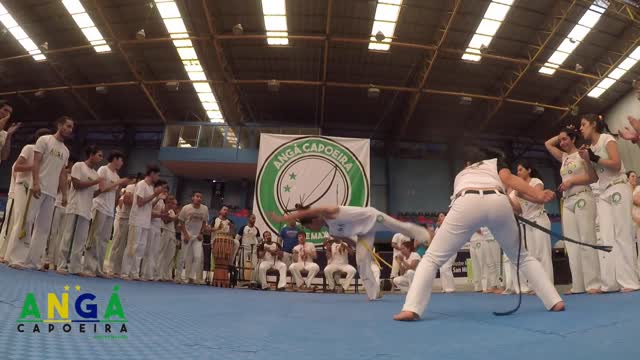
520	219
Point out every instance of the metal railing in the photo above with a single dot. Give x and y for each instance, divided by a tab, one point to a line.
199	135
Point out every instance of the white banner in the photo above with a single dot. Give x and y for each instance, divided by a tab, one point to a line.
309	170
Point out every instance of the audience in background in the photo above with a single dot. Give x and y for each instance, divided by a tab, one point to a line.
338	252
269	254
304	255
408	261
289	239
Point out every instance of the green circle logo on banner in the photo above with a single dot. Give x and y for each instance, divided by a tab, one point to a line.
309	171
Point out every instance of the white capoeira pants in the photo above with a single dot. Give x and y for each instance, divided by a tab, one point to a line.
404	282
446	275
96	248
29	250
490	254
55	237
311	268
134	252
475	250
578	223
7	224
267	265
330	269
364	258
193	259
152	255
539	243
618	266
467	214
180	260
76	234
120	234
167	251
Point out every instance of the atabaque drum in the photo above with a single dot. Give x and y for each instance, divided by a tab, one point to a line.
222	256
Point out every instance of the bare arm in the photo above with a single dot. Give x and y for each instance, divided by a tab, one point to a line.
63	186
6	148
21	165
79	184
515	205
593	176
327	211
636	199
128	198
35	174
522	187
551	146
533	199
140	201
613	163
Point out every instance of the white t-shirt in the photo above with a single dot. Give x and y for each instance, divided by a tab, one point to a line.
105	202
226	225
353	221
481	175
125	210
170	226
530	210
413	256
12	184
484	235
80	199
573	165
606	176
193	218
399	239
267	256
54	158
635	210
25	177
249	235
339	256
156	223
141	216
308	249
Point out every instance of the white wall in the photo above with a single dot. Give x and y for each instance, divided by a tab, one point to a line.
616	118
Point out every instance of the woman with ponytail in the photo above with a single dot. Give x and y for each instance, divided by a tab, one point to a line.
614	208
578	212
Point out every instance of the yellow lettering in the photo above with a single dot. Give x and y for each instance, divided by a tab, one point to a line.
62	308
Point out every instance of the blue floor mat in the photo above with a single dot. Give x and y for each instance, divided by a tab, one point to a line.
167	321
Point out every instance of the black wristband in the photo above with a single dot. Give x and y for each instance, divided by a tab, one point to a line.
592	156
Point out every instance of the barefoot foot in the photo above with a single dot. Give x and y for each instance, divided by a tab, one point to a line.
406	316
558	307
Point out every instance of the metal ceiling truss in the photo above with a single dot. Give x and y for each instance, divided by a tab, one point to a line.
325	62
227	73
426	69
517	76
130	65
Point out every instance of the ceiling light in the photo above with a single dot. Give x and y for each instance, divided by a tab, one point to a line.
373	92
86	25
275	22
538	110
615	75
489	25
174	23
273	85
579	68
141	34
237	29
173	85
384	24
588	20
101	90
19	34
465	100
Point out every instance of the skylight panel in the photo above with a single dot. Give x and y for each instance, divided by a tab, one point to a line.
20	35
616	74
275	22
178	31
491	21
86	25
580	31
384	21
